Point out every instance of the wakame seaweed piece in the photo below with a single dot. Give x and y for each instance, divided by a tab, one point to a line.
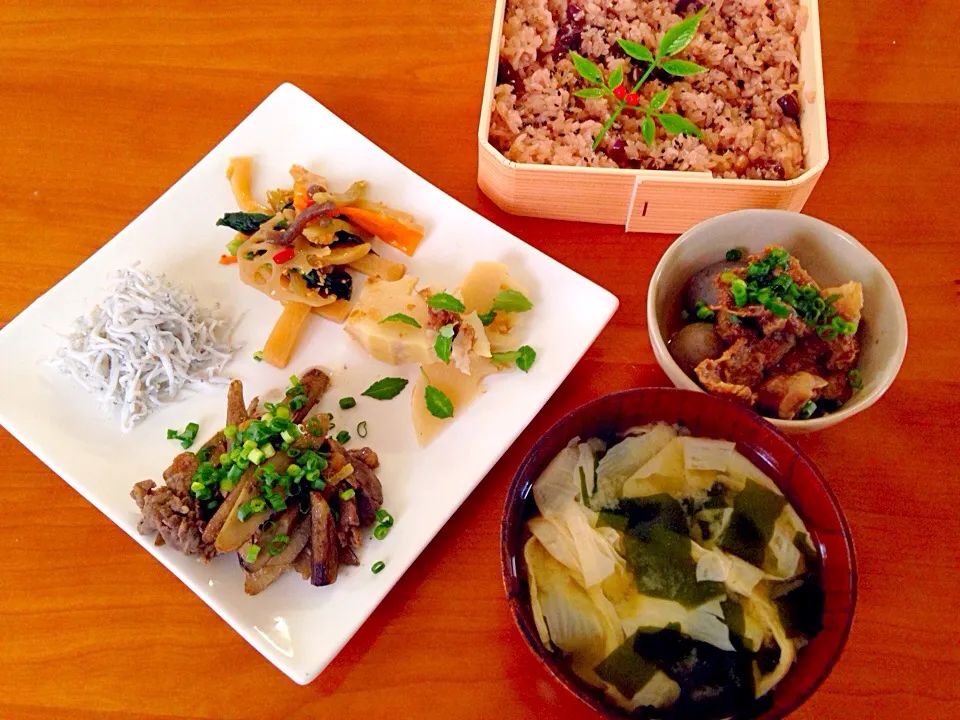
768	656
243	222
799	602
661	510
338	282
610	518
625	669
734	619
663	567
345	239
755	510
810	556
713	682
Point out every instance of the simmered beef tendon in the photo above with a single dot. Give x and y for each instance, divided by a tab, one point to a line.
850	303
732	374
180	473
774	348
844	353
838	388
175	517
786	394
803	357
730	328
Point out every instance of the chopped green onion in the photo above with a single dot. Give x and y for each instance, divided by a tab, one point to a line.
362	428
734	254
381	531
258	356
347	402
256	456
197	487
258	504
827	333
230	432
234	473
378	566
347	494
343	437
727	277
267	417
252	552
226	485
318	484
855	378
282	411
187	437
224	459
294	470
384	518
268	450
807	411
287	436
235	244
249	445
704	313
739	289
277	503
277	545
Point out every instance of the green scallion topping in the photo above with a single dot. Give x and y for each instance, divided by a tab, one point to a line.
348	494
378	566
384	517
734	254
347	402
855	378
343	437
258	356
381	531
807	411
187	437
252	553
362	428
277	544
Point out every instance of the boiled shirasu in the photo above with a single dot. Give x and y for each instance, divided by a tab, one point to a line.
144	343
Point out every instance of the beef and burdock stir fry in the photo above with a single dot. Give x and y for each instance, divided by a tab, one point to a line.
271	486
762	332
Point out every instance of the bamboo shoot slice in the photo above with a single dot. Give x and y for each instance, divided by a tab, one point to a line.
283	339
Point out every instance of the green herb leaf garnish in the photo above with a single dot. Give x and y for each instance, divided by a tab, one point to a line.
438	404
386	388
524	357
487	317
444	342
511	301
659	100
401	318
674	40
446	301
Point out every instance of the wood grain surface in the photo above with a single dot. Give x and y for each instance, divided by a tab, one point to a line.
106	104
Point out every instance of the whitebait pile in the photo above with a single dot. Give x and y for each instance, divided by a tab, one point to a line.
144	343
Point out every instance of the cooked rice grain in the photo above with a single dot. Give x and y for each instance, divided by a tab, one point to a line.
751	50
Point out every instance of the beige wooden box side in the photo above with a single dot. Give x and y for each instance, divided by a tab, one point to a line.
650	200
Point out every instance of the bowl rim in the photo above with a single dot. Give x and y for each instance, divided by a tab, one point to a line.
848	410
516	498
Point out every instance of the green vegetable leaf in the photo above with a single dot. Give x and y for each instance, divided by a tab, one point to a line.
589	93
659	100
616	77
523	356
649	131
444	343
386	388
401	318
438	404
586	69
511	301
682	68
626	669
635	50
446	301
679	36
527	357
677	124
487	317
242	222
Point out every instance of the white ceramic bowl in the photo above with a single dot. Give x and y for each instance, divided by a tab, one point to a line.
830	255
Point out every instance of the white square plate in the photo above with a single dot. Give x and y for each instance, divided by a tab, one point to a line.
299	628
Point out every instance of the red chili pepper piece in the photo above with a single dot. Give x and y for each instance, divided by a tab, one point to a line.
620	92
632	99
281	257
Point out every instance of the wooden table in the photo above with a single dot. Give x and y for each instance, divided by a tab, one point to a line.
104	105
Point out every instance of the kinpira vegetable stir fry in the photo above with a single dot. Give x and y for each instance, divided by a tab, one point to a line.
271	486
671	572
765	334
300	246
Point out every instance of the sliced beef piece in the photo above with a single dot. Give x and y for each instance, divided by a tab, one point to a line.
325	557
774	348
368	487
804	356
179	475
315	383
786	394
729	326
367	456
174	517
